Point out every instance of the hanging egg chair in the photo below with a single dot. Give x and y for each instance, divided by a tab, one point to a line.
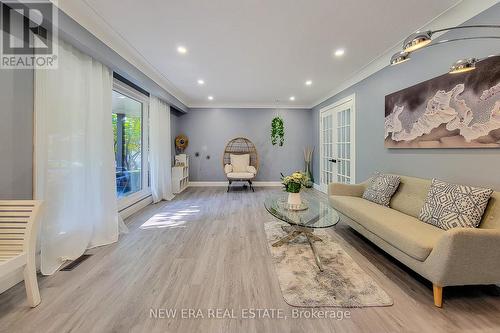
240	161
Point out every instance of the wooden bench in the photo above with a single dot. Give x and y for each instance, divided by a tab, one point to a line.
18	235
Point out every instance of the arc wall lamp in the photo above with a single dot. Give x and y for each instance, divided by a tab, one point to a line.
423	39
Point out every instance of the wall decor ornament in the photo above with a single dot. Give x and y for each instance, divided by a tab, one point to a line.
449	111
181	143
277	131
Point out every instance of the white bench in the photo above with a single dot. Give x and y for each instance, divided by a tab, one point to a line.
18	234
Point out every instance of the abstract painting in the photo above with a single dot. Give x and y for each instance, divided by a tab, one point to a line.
449	111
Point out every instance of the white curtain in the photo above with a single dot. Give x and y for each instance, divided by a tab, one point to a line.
74	158
160	150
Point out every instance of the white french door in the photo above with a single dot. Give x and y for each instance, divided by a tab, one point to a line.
337	146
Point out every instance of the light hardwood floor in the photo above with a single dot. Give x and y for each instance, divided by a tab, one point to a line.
209	251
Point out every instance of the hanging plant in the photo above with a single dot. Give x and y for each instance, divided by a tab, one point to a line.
277	131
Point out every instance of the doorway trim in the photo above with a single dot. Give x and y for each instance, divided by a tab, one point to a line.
349	99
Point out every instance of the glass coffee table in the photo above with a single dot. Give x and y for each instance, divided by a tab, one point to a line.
319	214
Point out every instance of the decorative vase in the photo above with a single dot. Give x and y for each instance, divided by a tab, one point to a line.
294	199
308	172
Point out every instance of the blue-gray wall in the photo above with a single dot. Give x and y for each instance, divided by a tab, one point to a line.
467	166
16	134
209	130
16	130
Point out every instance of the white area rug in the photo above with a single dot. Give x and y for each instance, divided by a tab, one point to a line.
342	283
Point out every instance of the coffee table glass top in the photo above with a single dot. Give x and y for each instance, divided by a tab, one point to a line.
319	213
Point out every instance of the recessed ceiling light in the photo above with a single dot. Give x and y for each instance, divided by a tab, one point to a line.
339	52
292	98
309	82
201	82
182	50
210	98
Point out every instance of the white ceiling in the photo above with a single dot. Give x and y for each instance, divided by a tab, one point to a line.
252	53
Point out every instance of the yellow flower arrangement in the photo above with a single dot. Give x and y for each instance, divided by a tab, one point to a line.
294	182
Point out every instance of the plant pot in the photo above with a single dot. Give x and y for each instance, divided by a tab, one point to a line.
294	199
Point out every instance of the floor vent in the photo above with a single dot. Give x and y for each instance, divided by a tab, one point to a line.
72	265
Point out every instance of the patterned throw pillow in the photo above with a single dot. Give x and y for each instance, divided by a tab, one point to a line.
381	189
450	206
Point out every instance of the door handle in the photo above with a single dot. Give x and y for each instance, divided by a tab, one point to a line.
333	160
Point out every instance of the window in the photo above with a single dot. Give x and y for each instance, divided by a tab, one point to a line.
129	112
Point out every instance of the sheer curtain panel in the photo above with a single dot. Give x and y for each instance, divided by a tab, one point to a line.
74	171
160	150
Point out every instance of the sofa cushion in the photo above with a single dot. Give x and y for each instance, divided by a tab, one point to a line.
381	189
411	195
240	162
453	206
404	232
491	216
240	175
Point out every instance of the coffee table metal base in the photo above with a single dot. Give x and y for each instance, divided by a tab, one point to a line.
295	231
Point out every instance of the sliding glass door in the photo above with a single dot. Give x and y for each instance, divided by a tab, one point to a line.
130	118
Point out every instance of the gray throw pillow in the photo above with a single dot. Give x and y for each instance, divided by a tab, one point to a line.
381	189
450	206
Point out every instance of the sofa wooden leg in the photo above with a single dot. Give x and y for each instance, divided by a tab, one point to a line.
438	295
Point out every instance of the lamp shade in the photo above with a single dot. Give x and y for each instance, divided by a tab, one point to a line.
417	40
463	65
399	58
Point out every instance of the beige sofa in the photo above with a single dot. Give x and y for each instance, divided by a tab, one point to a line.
460	256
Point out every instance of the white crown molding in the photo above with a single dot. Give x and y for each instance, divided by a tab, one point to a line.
453	16
83	13
246	106
87	17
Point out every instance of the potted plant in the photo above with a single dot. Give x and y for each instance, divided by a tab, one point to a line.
293	185
277	131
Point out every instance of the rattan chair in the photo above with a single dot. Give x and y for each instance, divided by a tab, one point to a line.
240	146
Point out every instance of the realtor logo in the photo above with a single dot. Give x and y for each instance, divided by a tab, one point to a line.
29	29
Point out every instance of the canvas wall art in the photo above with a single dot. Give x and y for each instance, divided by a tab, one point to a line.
449	111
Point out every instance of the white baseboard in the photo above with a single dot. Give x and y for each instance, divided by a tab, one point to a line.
136	207
267	184
207	184
224	184
319	188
